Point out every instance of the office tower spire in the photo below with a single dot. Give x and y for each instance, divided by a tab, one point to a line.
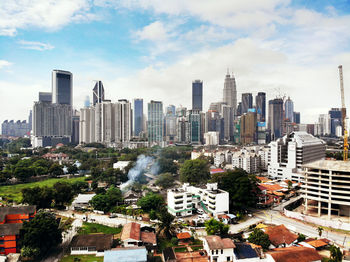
230	91
98	93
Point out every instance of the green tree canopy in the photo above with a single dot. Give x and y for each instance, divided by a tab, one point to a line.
335	254
167	165
215	227
195	171
241	187
151	201
42	233
165	180
56	170
106	201
258	237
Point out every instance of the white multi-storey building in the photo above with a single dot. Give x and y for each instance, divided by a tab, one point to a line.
248	161
288	154
182	201
211	138
325	124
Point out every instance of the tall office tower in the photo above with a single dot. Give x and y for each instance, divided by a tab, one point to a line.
230	91
155	122
52	124
296	117
203	124
324	121
170	110
62	87
45	97
87	125
98	93
181	111
227	115
138	116
276	118
239	109
289	110
194	119
123	121
213	123
336	119
170	127
75	127
249	127
260	104
182	126
30	120
197	95
247	102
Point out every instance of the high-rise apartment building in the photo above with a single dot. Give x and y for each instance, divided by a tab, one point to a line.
62	87
260	104
16	129
138	116
194	119
197	95
75	127
275	123
45	97
249	127
247	102
324	121
155	124
98	93
289	110
230	92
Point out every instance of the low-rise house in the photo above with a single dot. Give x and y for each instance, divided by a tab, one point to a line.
82	201
294	254
280	236
182	201
131	254
121	165
94	244
219	249
183	236
245	252
131	197
216	171
133	236
57	157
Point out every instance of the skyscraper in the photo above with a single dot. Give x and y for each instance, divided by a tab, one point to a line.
155	122
260	103
276	118
289	110
98	93
138	116
227	115
62	87
45	97
247	102
296	117
230	92
197	95
324	121
195	126
249	127
336	119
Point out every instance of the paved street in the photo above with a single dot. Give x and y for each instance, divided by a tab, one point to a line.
274	217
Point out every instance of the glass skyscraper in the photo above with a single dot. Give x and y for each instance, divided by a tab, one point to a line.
138	116
98	93
155	122
62	87
197	95
260	103
247	102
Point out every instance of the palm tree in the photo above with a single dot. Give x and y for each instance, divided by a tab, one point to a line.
335	254
166	226
320	230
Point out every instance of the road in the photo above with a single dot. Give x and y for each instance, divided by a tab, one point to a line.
275	217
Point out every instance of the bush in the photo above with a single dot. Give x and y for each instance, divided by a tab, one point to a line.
174	241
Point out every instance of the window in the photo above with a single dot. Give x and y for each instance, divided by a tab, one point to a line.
228	259
212	252
217	252
222	251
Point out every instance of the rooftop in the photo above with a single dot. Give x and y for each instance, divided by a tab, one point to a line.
83	198
126	254
148	237
131	231
183	235
10	229
244	250
216	242
295	254
100	241
280	234
332	165
16	210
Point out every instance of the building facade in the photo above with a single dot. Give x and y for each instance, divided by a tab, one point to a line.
260	104
197	95
230	92
275	124
289	110
247	102
155	123
62	87
98	93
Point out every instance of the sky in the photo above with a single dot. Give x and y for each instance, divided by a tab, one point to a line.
154	49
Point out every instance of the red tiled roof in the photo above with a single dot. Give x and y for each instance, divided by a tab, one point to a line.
271	187
317	243
148	237
216	242
183	235
280	234
295	254
217	170
131	231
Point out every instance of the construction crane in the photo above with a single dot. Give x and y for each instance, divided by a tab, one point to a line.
343	113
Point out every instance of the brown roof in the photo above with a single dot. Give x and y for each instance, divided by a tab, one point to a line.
295	254
10	229
280	234
272	187
100	241
183	235
216	242
317	243
131	231
16	210
148	237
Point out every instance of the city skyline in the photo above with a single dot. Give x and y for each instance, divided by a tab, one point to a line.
148	58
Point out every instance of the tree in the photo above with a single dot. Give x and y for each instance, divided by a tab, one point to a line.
63	193
151	201
195	171
320	230
301	237
165	180
335	254
106	201
41	233
40	196
241	187
165	226
56	170
167	165
215	227
23	173
72	169
258	237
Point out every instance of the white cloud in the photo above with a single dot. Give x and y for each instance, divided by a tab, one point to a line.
154	32
4	63
47	14
35	45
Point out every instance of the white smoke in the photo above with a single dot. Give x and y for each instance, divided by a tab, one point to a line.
142	164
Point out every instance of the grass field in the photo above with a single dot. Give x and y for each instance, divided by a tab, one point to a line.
13	192
91	228
82	258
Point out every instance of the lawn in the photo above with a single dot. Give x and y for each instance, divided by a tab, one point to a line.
82	258
13	192
91	228
196	248
180	249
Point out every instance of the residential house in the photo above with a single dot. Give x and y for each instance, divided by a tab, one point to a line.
131	197
294	254
57	157
131	254
280	236
133	236
82	201
219	249
121	165
11	219
94	244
